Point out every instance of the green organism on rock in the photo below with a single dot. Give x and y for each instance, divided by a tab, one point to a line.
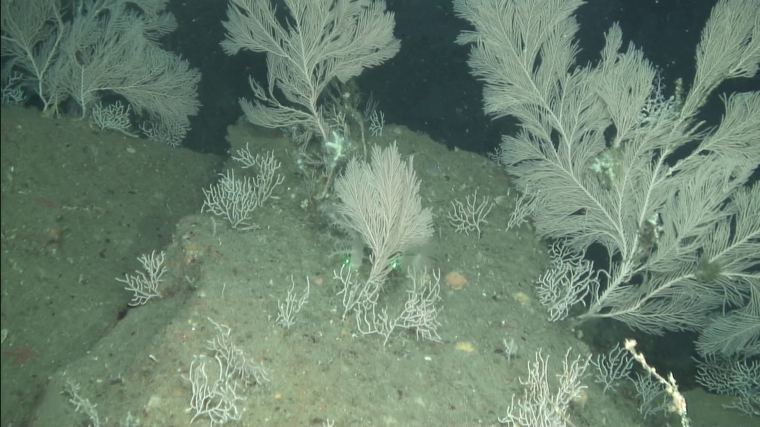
707	270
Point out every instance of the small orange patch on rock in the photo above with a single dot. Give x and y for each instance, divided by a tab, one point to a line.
456	280
465	346
192	252
521	297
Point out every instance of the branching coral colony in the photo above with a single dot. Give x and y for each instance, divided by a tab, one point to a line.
606	159
611	161
303	59
75	57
